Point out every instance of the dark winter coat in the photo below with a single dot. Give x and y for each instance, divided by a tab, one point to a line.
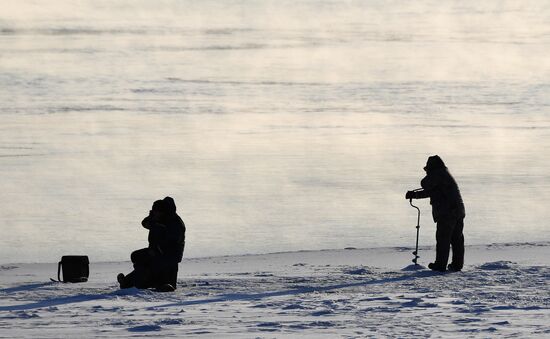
175	242
442	189
166	237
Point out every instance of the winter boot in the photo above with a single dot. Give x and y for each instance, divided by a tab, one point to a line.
125	281
454	267
120	278
436	267
165	288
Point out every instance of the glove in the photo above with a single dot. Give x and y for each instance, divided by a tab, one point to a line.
410	195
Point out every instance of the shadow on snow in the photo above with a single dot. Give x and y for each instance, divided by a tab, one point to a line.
219	298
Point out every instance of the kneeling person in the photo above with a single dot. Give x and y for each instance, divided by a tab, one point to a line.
157	265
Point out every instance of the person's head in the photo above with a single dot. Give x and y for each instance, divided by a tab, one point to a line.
170	205
434	162
158	210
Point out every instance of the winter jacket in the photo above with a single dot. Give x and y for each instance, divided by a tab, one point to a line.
175	238
442	189
166	237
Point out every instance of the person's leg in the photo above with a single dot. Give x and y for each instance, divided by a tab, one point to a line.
457	242
143	263
167	277
163	269
143	277
172	275
126	281
443	243
141	256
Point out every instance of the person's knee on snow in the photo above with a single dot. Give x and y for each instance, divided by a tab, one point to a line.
157	264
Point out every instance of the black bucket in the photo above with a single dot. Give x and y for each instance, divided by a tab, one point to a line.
75	268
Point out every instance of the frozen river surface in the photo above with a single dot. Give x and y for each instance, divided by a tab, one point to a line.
276	125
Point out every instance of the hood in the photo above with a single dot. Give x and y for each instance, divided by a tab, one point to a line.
434	162
169	204
159	206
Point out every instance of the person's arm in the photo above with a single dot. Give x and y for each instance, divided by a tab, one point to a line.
154	245
429	183
157	237
147	222
419	194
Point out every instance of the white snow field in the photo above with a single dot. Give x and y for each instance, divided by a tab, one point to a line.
350	293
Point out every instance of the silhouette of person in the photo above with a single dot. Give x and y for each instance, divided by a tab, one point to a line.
157	265
447	211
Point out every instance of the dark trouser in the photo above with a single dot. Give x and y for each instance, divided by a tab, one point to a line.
150	270
449	233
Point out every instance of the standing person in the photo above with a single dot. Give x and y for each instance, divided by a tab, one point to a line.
447	211
157	265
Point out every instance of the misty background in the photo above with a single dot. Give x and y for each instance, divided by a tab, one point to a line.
275	125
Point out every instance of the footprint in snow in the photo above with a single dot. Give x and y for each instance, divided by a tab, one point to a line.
144	328
263	274
418	302
293	307
269	326
321	312
357	271
497	265
21	315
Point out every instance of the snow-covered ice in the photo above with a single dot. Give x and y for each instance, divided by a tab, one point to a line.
350	293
